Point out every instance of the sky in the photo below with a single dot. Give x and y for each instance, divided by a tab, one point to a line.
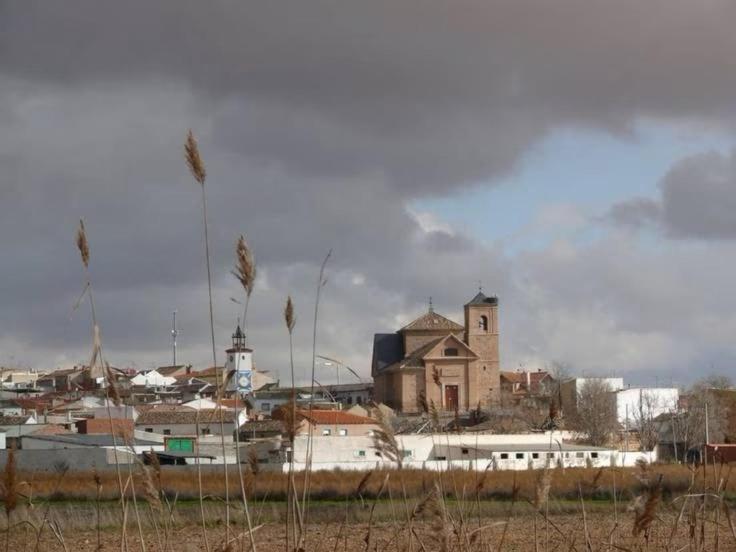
575	158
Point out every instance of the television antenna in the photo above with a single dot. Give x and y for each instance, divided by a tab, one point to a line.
174	334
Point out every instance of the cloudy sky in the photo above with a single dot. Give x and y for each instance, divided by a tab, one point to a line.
576	157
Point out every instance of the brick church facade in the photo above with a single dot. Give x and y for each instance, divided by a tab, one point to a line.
455	366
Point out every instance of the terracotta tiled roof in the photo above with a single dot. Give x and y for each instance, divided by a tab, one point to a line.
520	377
333	417
432	321
51	429
13	420
183	416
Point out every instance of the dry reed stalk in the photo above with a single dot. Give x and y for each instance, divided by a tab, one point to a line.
291	428
245	272
82	244
321	282
193	159
10	491
199	487
647	513
196	166
112	391
98	486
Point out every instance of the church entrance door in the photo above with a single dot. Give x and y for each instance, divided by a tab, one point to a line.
451	397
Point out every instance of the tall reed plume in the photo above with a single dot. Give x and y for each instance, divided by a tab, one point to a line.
245	272
196	167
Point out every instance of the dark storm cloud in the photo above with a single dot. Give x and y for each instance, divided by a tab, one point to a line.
318	122
432	94
698	200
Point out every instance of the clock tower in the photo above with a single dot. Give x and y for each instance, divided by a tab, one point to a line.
239	360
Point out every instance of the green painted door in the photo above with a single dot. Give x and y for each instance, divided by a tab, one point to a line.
185	445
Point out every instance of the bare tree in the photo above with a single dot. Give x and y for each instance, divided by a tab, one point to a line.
689	418
649	405
595	418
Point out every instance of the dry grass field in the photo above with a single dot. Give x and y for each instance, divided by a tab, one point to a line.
646	508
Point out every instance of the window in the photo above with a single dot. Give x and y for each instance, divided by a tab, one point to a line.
167	432
359	400
350	400
440	457
359	453
594	455
266	407
550	455
232	358
519	455
579	455
326	432
149	430
535	455
205	431
378	454
451	351
483	323
342	432
464	451
504	456
407	453
242	357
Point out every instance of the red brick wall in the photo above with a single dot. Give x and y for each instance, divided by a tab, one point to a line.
121	426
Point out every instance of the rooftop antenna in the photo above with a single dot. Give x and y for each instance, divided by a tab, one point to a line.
480	286
174	334
431	309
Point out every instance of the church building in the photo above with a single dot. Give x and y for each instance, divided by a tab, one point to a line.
455	366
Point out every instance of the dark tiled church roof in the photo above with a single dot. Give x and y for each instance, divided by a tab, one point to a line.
387	349
481	299
432	321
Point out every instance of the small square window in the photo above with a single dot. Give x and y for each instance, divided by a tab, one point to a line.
504	456
535	455
342	432
149	430
550	455
440	457
326	432
519	455
464	451
378	454
579	455
359	453
407	453
594	455
167	432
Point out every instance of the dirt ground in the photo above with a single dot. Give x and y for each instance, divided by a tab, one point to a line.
566	532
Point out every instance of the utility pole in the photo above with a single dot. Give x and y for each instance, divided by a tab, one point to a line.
174	333
707	432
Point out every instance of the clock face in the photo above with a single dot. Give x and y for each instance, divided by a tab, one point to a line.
243	381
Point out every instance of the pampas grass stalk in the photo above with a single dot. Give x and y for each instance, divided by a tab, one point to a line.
10	491
97	356
196	167
245	272
290	321
321	282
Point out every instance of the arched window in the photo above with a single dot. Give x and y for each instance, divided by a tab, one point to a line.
483	323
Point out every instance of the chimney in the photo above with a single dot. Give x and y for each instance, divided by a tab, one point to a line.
528	380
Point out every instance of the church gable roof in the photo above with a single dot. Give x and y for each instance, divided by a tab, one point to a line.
482	299
432	321
437	351
387	349
415	358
